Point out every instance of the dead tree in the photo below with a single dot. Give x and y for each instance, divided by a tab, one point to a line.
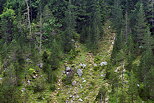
29	22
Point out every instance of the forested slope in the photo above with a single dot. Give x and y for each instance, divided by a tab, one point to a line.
90	51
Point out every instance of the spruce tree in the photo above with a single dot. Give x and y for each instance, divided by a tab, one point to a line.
140	26
69	28
117	16
146	66
96	22
94	26
56	52
8	25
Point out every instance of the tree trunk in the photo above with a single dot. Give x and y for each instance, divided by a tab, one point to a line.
29	23
101	101
40	44
126	31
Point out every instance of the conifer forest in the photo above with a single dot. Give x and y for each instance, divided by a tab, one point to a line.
76	51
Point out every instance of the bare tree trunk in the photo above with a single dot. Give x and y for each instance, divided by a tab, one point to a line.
123	67
29	23
117	92
40	44
101	101
126	23
105	96
126	34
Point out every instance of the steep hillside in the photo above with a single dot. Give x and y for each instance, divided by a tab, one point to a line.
85	88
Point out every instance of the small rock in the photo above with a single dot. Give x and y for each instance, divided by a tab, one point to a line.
40	65
71	101
27	59
103	63
72	40
67	73
80	100
140	47
28	82
74	83
81	87
138	85
79	72
124	70
63	72
102	75
1	78
83	65
68	68
23	89
84	81
34	77
95	65
116	70
77	96
71	96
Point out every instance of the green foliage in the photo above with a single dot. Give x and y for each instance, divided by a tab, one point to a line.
56	54
67	80
58	27
8	13
8	24
102	94
30	71
39	85
140	26
69	28
48	68
9	94
117	17
45	60
52	87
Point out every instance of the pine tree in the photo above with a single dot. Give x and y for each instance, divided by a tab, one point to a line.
69	28
94	26
8	25
56	52
146	66
140	26
117	17
118	47
96	22
117	20
82	18
133	88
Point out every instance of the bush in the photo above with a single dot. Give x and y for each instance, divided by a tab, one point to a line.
67	80
52	87
101	94
39	85
9	94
